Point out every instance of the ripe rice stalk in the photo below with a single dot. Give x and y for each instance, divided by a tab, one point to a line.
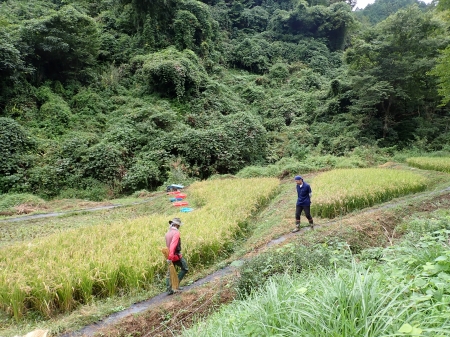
430	163
98	261
338	192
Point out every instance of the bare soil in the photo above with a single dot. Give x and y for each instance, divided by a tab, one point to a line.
177	311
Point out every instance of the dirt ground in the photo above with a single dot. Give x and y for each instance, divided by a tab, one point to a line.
180	310
373	227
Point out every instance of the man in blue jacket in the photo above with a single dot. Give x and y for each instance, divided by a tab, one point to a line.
304	193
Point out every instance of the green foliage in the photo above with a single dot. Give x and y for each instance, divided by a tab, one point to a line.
289	166
238	141
441	70
17	147
62	44
11	62
87	102
279	72
331	23
289	259
144	173
384	88
11	200
381	9
94	191
255	18
194	27
252	54
104	162
185	26
44	180
173	73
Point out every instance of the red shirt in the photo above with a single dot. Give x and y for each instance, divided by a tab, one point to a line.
173	242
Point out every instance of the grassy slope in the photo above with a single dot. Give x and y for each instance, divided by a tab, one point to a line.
374	227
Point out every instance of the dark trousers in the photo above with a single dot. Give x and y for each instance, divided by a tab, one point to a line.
299	209
183	266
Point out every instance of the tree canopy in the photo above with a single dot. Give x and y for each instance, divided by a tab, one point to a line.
122	95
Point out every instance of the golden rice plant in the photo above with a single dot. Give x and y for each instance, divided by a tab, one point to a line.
55	273
430	163
338	192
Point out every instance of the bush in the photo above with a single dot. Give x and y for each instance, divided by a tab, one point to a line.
252	54
15	142
173	73
98	192
288	259
284	167
11	200
54	115
144	173
104	162
279	72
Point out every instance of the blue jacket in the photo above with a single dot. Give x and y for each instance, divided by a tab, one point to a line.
303	195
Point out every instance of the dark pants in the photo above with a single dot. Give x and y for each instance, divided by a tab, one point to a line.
299	209
182	265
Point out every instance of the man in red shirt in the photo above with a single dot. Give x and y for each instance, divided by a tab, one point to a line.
173	243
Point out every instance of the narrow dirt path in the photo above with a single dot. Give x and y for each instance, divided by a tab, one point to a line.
91	209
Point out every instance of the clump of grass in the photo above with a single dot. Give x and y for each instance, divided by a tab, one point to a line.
12	201
345	303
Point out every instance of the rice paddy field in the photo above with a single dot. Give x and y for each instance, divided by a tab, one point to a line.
430	163
338	192
53	274
94	256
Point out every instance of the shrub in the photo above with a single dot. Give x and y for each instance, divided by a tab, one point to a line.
54	115
87	102
289	259
144	173
252	54
173	73
11	200
97	192
104	161
279	72
15	142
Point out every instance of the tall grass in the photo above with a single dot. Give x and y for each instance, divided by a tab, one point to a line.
348	302
341	191
11	200
430	163
55	273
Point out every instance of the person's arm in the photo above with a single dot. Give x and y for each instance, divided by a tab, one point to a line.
173	245
310	192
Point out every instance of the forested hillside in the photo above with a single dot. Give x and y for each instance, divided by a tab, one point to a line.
103	98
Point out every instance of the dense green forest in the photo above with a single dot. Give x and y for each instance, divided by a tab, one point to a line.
99	99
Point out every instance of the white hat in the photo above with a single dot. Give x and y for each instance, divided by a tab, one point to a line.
175	221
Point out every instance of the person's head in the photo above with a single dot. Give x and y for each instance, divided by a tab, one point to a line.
175	222
298	180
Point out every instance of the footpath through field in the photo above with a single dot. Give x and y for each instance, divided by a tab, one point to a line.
91	209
